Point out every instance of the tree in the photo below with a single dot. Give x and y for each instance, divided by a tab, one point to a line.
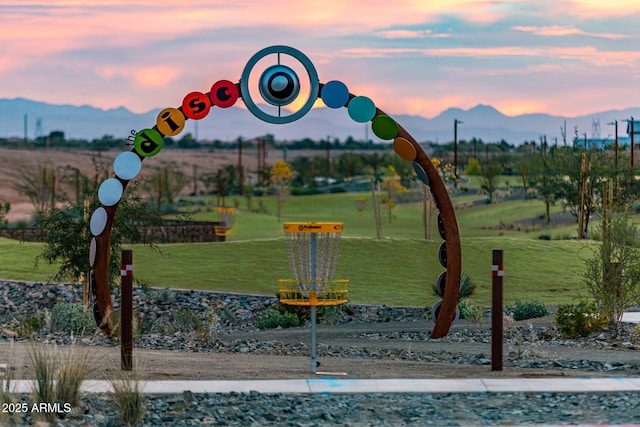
40	185
165	184
568	177
66	233
613	272
281	176
4	211
526	166
490	171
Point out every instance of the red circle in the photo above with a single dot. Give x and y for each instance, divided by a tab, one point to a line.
196	105
224	93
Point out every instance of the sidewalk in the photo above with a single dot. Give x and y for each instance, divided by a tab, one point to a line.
333	385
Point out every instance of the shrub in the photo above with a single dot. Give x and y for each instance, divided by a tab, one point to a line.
276	319
72	317
526	310
186	321
470	312
467	287
581	320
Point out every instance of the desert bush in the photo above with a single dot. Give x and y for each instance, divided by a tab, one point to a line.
581	320
526	310
186	321
470	312
612	272
72	317
634	335
275	319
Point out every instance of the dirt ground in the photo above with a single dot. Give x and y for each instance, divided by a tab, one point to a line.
181	365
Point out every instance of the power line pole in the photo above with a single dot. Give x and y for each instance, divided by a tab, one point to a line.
455	151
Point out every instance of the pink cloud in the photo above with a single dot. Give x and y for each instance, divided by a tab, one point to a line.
565	30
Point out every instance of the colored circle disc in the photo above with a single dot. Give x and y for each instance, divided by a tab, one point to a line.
196	105
405	149
98	221
334	94
110	192
148	142
384	127
127	165
170	121
361	109
421	173
224	93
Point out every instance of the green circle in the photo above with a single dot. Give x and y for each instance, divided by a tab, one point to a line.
148	142
384	127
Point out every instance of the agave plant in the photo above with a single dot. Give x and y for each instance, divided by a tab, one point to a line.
467	287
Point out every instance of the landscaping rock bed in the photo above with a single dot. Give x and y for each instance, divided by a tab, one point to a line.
370	334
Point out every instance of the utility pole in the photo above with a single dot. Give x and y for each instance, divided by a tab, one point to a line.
240	174
632	144
328	148
455	151
615	144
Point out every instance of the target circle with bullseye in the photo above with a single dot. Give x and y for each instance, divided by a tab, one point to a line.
279	85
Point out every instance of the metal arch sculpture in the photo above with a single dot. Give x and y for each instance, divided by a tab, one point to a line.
279	85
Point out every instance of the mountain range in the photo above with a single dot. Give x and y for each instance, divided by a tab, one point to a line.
482	121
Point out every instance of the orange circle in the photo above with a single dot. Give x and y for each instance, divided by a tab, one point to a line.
170	121
405	149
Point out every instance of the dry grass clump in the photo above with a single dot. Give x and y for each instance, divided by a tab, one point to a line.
128	397
58	376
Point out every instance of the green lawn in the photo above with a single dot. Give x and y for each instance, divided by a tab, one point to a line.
398	269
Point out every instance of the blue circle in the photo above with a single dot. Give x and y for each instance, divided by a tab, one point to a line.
334	94
361	109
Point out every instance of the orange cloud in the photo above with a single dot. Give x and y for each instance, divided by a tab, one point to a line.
157	76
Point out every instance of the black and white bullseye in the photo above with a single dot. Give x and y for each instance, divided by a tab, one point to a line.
279	85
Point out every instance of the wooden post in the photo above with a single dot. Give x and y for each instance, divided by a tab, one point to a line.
126	310
583	190
497	272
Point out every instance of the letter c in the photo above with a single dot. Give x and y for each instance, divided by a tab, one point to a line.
224	93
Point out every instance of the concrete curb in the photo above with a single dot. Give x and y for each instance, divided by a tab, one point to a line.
333	385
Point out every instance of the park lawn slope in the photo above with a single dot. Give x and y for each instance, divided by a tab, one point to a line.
381	271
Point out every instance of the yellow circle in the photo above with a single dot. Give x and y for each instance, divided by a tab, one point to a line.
170	121
405	149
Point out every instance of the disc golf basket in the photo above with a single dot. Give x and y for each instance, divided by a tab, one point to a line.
227	217
313	248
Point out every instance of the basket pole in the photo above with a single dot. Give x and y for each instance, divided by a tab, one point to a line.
312	250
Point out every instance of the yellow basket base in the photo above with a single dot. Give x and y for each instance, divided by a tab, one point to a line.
299	292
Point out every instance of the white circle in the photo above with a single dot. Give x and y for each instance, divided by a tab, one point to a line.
98	221
127	165
92	252
110	192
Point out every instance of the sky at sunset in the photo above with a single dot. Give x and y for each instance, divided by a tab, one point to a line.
563	57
